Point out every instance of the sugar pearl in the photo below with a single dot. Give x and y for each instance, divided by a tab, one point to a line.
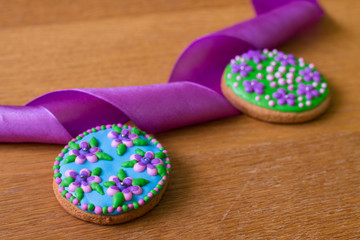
301	64
229	75
237	57
238	78
289	81
282	69
270	77
281	81
322	90
259	67
324	85
292	69
301	105
265	50
271	54
300	99
273	84
291	88
290	75
269	69
271	103
308	103
233	61
278	75
267	97
235	84
257	98
273	63
311	65
315	84
301	59
275	51
259	76
298	79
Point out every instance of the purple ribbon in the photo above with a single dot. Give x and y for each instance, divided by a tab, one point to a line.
191	96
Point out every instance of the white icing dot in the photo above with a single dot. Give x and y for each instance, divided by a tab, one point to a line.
271	54
273	84
267	97
238	78
237	57
301	64
289	81
291	87
257	98
322	90
301	105
292	69
259	67
278	75
300	99
242	59
308	103
273	63
282	69
270	77
259	76
269	69
289	75
311	65
233	61
229	75
274	50
235	84
301	59
315	84
265	50
281	81
324	85
298	79
271	103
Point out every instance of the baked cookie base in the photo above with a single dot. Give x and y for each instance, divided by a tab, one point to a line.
107	219
272	115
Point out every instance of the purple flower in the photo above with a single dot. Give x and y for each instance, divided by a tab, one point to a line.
285	59
283	98
309	75
146	161
126	187
82	180
125	137
242	68
254	55
253	86
308	91
85	153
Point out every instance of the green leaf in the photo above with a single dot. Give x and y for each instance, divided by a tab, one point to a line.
66	182
103	156
136	131
117	129
74	145
96	172
118	199
121	174
140	142
129	164
161	170
95	186
140	152
121	149
79	193
160	155
109	184
140	182
69	159
93	142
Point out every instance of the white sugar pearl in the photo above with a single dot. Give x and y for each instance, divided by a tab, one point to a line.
271	54
289	81
278	75
324	85
273	63
282	69
273	84
289	75
257	98
315	84
311	65
265	50
269	69
281	82
267	97
238	78
237	57
301	64
233	61
298	79
259	67
291	87
292	70
275	51
300	99
270	77
242	59
229	75
271	103
235	84
301	59
301	105
322	90
308	103
259	76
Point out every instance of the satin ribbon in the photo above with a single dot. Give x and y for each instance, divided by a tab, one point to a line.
191	96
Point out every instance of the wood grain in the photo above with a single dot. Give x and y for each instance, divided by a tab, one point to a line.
234	178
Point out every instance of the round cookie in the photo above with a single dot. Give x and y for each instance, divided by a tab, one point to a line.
275	87
111	174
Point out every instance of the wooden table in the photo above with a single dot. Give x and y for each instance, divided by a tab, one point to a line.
232	178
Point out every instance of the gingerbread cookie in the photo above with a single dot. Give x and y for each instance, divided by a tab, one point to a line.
111	174
275	87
